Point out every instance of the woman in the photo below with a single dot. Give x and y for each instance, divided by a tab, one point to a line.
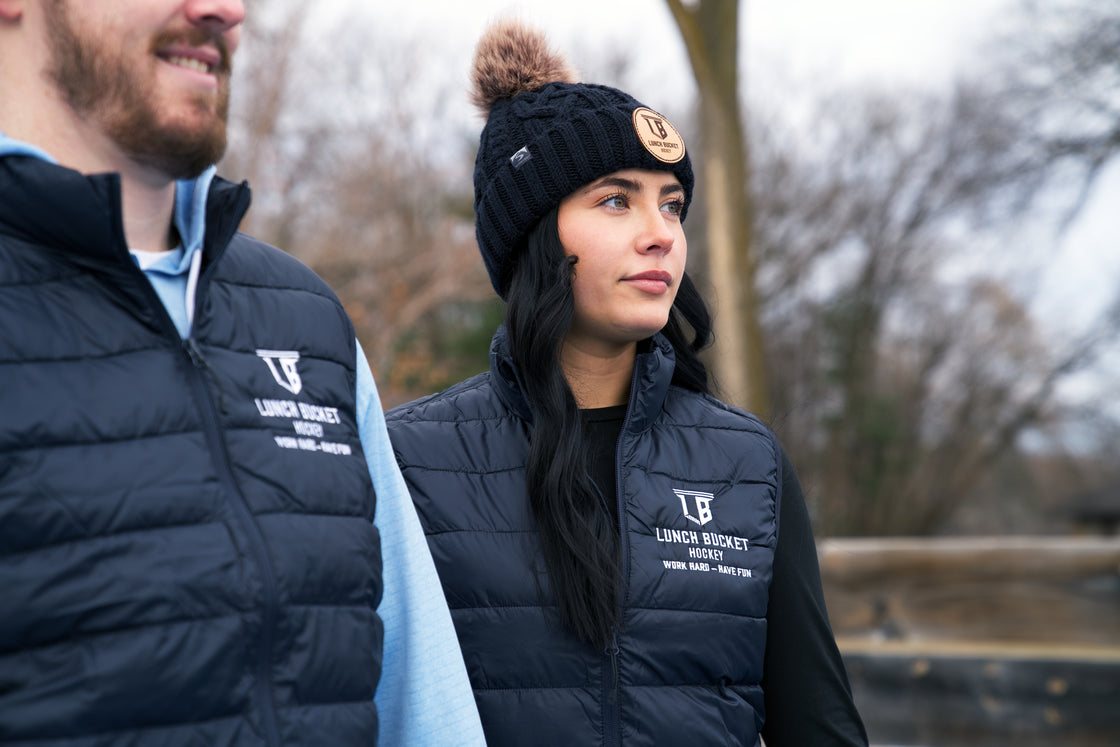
627	559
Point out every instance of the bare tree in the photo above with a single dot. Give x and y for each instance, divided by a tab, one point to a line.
1061	73
901	376
359	170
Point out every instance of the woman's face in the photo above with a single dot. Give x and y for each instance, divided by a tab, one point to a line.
625	229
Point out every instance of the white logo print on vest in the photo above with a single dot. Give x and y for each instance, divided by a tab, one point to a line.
286	375
701	501
702	552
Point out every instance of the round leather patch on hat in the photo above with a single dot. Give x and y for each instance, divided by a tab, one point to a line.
658	136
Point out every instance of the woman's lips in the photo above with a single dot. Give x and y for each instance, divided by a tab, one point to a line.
654	282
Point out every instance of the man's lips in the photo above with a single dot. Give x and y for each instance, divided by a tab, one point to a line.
190	63
203	59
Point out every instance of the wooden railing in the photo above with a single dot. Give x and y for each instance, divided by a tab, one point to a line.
980	641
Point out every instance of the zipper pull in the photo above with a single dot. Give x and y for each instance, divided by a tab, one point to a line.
612	651
195	354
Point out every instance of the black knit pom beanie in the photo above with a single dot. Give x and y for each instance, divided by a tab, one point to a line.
547	135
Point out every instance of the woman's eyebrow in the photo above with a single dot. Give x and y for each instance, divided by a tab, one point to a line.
616	181
631	185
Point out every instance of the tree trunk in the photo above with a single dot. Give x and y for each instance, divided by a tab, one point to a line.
710	30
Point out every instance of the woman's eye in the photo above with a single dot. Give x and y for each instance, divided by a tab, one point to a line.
674	207
615	201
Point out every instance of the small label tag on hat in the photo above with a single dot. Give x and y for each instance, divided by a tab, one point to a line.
658	136
518	159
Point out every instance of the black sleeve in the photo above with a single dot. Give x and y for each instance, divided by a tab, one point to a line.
808	697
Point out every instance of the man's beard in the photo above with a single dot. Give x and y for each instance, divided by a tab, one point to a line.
121	98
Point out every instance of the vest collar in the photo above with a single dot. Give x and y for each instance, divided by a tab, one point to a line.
80	215
653	373
59	208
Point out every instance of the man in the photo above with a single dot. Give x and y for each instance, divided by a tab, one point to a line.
196	490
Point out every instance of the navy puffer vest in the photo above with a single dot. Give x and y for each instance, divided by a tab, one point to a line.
698	500
187	554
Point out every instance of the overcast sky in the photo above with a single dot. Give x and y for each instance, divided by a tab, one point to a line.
884	39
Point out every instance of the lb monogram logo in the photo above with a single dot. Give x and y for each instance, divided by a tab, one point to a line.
287	375
701	502
658	136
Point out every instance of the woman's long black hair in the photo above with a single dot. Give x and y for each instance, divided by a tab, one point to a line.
579	540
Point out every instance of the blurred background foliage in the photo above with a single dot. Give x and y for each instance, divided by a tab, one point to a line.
884	254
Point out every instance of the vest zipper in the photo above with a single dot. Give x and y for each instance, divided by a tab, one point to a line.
612	728
612	716
217	448
200	363
264	695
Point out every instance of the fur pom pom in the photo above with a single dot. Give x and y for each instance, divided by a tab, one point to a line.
512	58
